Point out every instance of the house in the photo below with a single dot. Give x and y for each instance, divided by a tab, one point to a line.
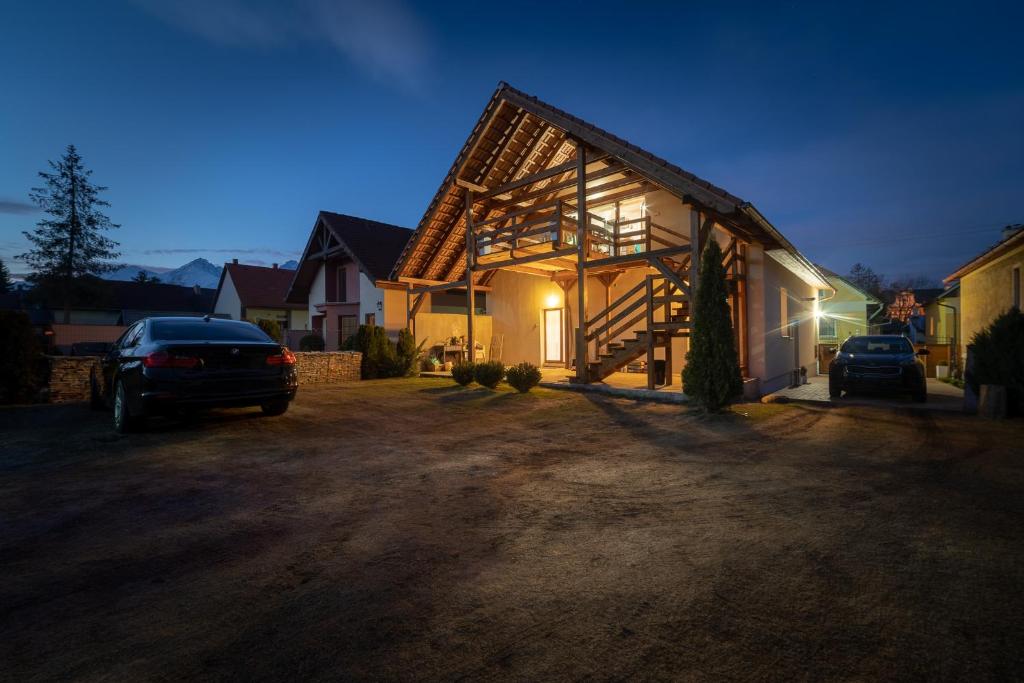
846	312
255	292
112	305
942	328
342	271
563	241
990	283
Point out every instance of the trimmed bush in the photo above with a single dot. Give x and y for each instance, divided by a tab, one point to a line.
18	353
463	372
407	354
711	377
489	373
311	342
271	327
998	359
523	377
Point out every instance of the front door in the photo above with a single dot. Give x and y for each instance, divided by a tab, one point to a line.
553	342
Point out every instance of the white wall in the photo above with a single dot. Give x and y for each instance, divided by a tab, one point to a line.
228	303
317	291
369	298
781	355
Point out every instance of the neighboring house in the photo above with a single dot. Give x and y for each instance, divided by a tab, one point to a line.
990	283
255	292
848	311
114	305
906	312
338	275
518	183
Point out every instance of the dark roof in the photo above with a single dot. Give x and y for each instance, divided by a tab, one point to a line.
537	141
259	287
927	294
150	296
1013	236
374	246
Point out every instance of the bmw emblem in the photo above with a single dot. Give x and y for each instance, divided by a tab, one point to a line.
234	352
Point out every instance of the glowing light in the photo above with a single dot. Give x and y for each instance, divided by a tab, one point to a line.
552	301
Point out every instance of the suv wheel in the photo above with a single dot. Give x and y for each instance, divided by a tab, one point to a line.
124	421
273	408
834	389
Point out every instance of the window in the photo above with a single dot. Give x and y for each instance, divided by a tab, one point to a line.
877	345
1016	287
826	327
190	329
132	336
784	311
342	284
348	325
371	319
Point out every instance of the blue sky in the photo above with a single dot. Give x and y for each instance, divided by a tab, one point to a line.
887	133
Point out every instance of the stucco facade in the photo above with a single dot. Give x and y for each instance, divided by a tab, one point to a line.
989	290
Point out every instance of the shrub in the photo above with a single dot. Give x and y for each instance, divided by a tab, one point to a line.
407	354
271	327
523	377
711	376
998	359
489	373
18	352
311	342
463	372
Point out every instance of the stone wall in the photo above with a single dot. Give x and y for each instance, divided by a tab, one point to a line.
69	378
325	367
69	375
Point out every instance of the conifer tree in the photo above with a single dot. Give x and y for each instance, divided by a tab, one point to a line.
69	243
711	377
5	278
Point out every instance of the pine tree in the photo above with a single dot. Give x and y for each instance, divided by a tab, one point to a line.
143	278
711	377
6	284
69	244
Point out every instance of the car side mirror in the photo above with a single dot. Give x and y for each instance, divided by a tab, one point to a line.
923	352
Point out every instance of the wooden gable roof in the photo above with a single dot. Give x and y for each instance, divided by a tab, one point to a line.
519	135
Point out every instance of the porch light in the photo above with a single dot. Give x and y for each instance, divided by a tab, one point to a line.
551	301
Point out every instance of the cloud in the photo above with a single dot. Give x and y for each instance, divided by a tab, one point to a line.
16	207
172	252
383	38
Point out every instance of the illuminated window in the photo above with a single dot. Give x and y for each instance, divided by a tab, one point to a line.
826	327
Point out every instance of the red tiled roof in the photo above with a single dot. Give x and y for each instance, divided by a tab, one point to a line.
260	287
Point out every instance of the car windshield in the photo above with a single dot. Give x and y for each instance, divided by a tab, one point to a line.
879	345
199	330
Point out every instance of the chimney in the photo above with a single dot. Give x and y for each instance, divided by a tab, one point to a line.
274	266
234	261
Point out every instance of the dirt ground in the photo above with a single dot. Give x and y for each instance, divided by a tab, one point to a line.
417	530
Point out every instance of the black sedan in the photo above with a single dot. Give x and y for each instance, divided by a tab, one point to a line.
162	366
883	363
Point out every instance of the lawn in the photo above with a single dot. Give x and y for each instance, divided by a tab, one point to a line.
418	530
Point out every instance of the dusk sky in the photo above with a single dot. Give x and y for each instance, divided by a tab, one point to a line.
890	133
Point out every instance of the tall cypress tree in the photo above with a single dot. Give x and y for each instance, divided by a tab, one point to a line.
5	278
69	243
711	377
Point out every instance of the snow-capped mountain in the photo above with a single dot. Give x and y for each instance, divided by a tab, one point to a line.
197	272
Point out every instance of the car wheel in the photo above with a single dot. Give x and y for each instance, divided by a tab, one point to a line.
834	390
273	408
124	421
95	400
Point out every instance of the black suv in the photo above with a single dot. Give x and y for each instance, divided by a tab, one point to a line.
884	363
167	365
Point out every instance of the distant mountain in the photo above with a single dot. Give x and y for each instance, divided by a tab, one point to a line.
289	265
198	272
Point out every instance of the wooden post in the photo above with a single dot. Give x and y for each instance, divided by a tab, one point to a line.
470	289
695	249
650	332
408	309
667	290
582	352
615	234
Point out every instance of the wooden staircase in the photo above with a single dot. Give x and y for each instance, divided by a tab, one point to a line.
621	353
